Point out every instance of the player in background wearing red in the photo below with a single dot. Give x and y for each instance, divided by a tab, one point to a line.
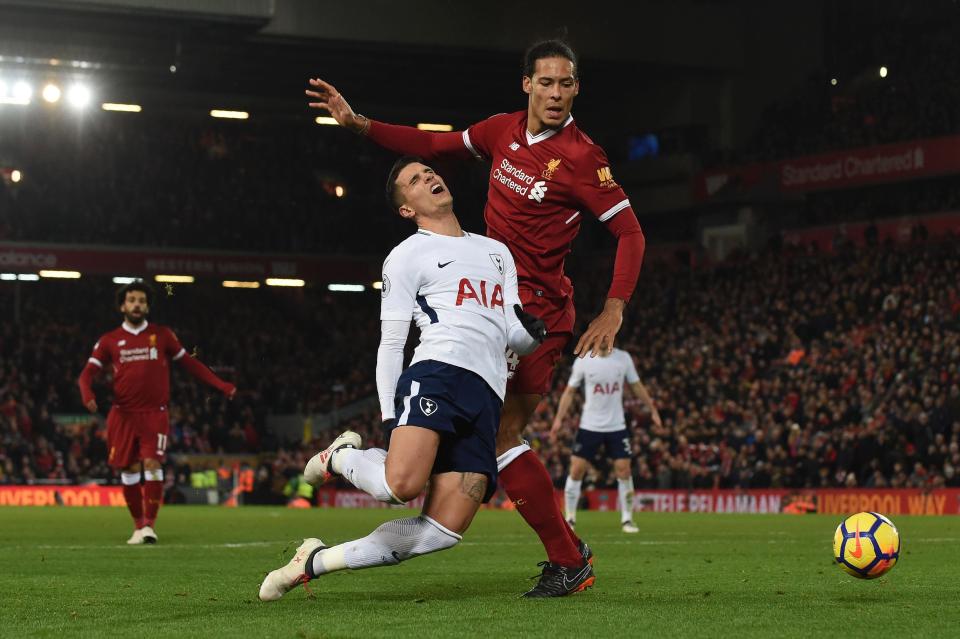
546	175
138	354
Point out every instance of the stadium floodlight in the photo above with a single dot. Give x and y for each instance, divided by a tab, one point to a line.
16	175
284	281
78	95
118	106
240	284
61	275
229	115
51	93
429	126
327	120
833	82
22	91
346	288
28	277
883	72
339	191
175	279
121	279
378	286
8	277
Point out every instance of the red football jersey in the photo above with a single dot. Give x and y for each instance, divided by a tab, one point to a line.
140	359
540	187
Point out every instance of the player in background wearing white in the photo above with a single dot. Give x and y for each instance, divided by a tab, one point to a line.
602	423
444	409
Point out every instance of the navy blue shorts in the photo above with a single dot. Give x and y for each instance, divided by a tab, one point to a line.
459	405
616	444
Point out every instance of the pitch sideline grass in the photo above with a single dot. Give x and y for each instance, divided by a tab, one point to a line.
65	572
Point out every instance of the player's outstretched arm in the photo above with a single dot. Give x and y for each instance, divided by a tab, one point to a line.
326	97
566	398
405	140
639	390
196	368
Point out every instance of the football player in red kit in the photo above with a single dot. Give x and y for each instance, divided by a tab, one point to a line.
138	353
546	176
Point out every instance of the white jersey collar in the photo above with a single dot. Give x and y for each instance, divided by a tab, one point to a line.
134	330
431	233
546	134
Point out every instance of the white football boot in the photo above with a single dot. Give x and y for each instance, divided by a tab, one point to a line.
136	538
149	537
317	470
629	527
282	580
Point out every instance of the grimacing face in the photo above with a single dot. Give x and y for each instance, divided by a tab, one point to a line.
422	191
135	307
552	90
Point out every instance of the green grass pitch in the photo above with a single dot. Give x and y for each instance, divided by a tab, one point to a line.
65	572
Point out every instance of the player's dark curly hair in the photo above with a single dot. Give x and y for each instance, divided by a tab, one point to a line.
135	285
548	49
392	192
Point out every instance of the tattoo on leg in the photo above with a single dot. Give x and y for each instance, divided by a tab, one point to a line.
473	485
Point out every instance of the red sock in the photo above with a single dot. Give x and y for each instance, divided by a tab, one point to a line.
134	503
152	498
528	485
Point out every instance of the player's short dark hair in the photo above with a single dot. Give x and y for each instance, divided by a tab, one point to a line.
548	49
135	285
392	192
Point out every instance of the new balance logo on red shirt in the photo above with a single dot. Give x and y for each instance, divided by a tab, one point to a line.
469	292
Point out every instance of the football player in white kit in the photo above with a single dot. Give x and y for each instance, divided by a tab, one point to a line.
602	423
443	411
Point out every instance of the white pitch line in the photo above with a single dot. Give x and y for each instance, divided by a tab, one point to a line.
255	544
247	544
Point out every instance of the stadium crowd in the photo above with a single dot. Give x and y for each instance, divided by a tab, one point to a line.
852	105
284	350
793	369
78	173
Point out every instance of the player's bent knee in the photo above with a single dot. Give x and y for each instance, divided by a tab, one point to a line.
404	488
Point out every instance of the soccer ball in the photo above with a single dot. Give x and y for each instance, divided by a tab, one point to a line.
866	545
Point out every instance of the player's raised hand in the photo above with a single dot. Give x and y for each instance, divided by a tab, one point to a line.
600	334
325	96
92	406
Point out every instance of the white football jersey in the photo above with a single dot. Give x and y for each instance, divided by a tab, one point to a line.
456	289
602	381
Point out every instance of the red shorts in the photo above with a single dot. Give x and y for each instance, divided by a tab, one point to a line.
133	436
533	374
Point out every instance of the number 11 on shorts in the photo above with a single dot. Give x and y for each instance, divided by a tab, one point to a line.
161	444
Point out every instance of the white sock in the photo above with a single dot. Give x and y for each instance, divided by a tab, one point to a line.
388	545
625	499
571	497
504	460
365	469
